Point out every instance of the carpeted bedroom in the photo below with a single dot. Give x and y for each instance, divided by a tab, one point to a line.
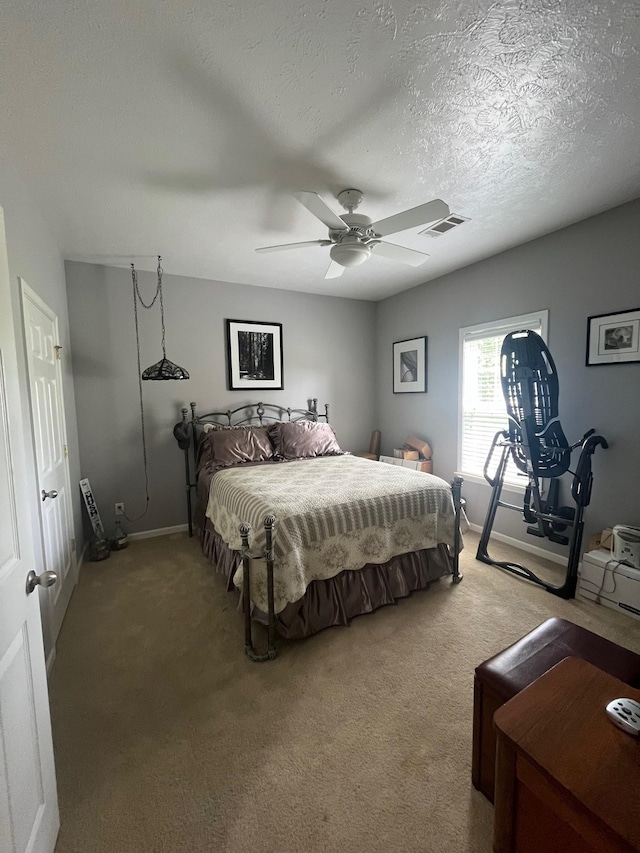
167	738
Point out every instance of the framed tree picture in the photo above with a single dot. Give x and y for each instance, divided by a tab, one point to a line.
410	366
613	338
254	355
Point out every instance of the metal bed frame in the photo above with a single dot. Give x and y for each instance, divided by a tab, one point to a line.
188	433
251	413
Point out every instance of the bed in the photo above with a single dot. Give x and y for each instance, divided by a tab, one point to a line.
311	536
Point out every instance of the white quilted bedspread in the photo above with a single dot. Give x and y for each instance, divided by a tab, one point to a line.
332	513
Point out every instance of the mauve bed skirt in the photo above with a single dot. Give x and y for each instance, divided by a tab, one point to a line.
351	593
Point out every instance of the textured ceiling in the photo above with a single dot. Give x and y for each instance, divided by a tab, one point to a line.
148	126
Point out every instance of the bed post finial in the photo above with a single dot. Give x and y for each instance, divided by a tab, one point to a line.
193	410
245	529
184	412
326	412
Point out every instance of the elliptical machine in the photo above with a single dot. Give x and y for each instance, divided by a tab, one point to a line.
537	445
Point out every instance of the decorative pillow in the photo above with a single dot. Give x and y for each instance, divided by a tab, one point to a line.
222	445
243	444
304	439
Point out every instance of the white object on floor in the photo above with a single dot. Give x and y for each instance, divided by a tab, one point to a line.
625	713
425	465
605	580
626	545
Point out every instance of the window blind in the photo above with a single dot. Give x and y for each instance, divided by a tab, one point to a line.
483	410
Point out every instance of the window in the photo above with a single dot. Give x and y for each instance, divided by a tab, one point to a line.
482	409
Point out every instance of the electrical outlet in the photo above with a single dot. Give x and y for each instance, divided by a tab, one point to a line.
120	508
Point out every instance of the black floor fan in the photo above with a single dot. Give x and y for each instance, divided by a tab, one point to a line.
537	444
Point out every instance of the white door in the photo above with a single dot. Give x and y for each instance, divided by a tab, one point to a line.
29	818
47	414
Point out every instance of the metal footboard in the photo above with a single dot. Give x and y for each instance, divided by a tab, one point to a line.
269	525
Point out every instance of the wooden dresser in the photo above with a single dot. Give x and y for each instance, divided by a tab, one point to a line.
567	779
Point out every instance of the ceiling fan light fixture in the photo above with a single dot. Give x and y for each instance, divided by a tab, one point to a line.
349	254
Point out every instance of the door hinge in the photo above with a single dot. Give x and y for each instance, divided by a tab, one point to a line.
58	350
65	450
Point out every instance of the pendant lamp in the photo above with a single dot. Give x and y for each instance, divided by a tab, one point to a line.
163	369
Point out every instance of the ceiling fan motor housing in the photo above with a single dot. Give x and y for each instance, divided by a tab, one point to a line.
357	221
350	248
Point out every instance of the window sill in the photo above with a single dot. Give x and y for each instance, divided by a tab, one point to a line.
516	488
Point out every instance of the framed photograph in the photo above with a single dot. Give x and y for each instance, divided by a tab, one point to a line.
254	355
410	366
613	338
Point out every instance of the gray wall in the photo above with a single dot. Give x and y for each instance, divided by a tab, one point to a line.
329	353
589	268
34	256
331	346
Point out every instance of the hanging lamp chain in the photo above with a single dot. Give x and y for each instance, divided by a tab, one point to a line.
134	276
136	297
159	290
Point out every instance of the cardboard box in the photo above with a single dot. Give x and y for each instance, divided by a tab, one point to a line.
600	540
401	453
424	465
606	539
420	445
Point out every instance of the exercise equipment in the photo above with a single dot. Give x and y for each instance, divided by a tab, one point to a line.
536	443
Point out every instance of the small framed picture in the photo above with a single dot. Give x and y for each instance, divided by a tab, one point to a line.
410	366
613	338
254	355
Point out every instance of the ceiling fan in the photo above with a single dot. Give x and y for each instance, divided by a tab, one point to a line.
353	237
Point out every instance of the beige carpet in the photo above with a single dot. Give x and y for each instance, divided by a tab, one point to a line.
168	739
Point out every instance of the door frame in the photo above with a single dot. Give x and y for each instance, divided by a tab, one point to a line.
71	579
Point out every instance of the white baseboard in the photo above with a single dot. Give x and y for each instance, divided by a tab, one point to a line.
523	546
159	531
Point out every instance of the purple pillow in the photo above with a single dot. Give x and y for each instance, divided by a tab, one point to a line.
223	446
242	444
304	440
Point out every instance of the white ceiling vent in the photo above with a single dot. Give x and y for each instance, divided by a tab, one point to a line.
440	228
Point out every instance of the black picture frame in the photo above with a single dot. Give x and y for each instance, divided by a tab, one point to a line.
410	366
613	338
254	355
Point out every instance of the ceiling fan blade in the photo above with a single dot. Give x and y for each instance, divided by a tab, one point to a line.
432	211
294	245
321	210
400	253
335	270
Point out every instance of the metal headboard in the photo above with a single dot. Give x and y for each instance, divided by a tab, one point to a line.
250	413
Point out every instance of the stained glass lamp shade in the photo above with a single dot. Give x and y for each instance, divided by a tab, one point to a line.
165	369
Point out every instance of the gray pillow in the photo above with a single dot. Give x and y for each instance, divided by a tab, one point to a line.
304	440
242	444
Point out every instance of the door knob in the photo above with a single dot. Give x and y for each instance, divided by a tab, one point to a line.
51	494
45	579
